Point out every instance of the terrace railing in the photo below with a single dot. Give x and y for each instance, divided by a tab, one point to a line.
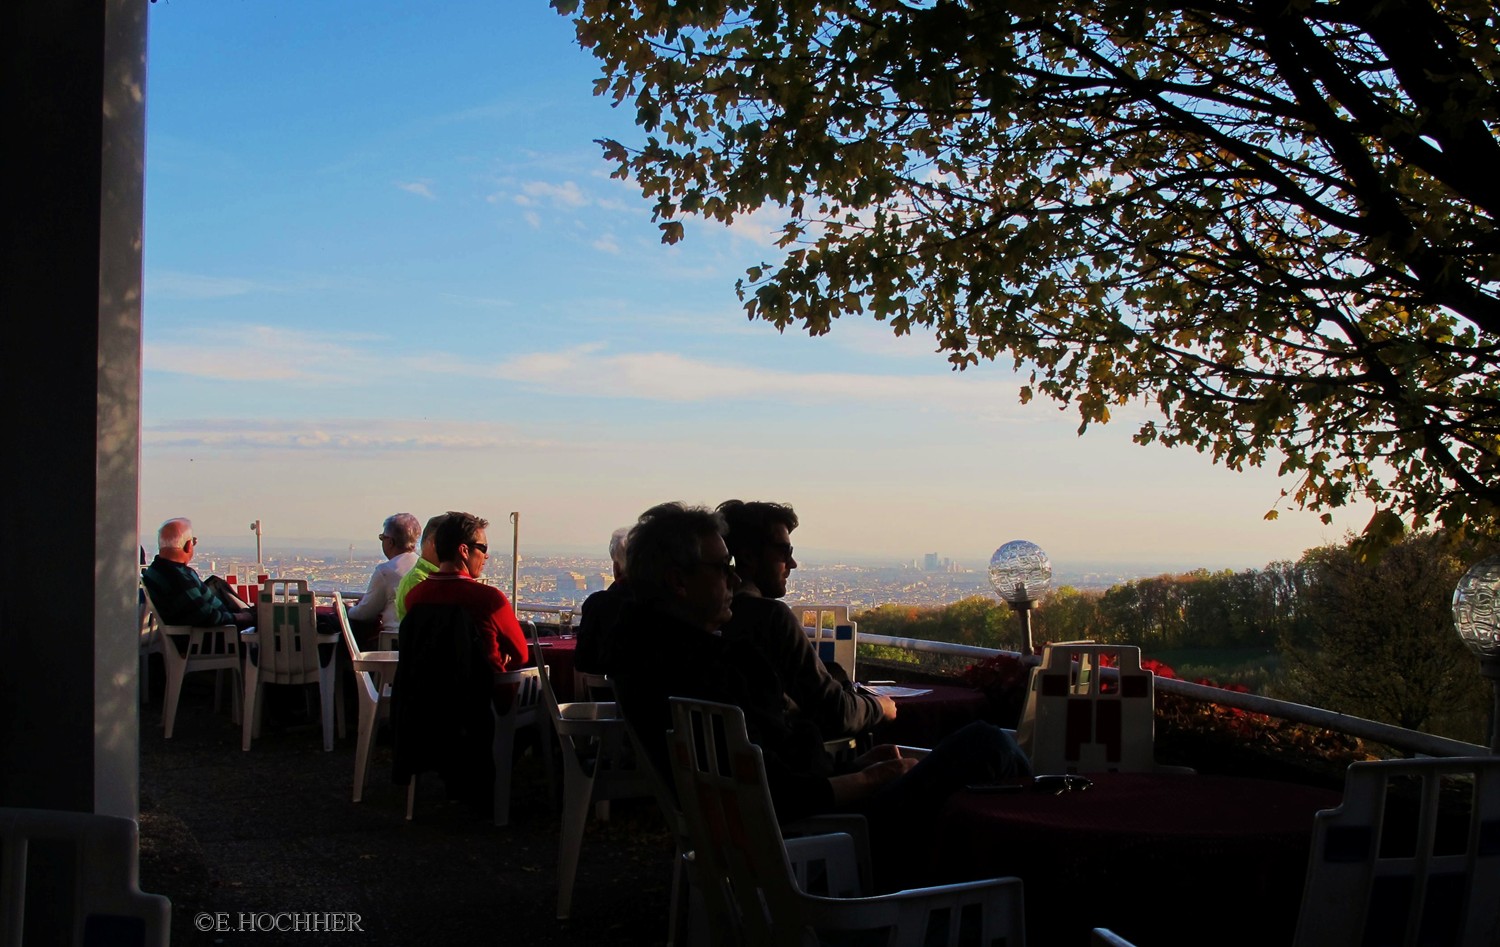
1410	741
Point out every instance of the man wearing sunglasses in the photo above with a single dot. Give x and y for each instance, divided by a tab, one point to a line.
761	542
462	545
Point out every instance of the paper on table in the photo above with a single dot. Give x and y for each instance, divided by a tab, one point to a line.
893	691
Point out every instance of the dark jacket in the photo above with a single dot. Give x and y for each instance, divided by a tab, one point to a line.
440	702
654	657
837	710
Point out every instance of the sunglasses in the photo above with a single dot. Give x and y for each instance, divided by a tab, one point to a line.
1061	783
482	547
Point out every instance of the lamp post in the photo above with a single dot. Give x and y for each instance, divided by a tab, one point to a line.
1022	575
259	561
1476	615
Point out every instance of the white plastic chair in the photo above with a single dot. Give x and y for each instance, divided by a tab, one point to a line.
202	649
834	636
598	766
1072	724
755	884
1389	870
525	710
150	643
373	673
106	903
283	648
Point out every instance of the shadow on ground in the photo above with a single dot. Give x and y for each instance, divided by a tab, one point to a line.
273	831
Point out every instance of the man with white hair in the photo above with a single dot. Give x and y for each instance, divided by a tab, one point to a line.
601	610
179	594
398	540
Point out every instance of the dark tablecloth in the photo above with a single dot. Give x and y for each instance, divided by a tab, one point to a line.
1148	855
925	720
557	654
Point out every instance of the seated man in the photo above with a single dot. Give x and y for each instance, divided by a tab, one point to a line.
426	565
601	610
398	540
462	548
180	596
665	645
760	541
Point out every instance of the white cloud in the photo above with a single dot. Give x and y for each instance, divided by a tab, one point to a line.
761	226
174	285
589	371
566	194
534	219
607	244
419	188
264	353
333	434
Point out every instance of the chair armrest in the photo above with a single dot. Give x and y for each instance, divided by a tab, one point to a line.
913	752
838	856
907	912
589	710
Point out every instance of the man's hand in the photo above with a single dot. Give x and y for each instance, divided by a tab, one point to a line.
852	787
887	707
876	754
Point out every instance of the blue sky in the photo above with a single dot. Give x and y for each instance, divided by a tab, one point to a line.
386	269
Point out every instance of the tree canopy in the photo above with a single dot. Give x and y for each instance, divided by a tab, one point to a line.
1272	219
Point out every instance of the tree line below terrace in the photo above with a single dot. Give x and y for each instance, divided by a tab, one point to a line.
1373	639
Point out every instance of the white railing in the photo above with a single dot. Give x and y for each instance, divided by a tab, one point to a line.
1398	738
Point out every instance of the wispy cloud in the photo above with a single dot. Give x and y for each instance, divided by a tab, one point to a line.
334	434
419	188
566	194
591	371
607	244
265	353
177	285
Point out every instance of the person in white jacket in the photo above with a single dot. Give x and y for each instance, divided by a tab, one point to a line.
398	540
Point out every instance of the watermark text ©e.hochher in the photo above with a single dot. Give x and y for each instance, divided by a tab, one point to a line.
283	921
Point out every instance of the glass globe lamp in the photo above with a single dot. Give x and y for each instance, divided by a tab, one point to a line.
1022	575
1476	615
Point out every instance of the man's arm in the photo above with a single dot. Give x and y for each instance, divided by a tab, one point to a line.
371	604
181	598
835	709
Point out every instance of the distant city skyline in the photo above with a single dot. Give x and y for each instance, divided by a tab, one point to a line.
387	270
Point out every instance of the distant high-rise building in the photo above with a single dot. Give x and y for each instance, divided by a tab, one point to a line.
570	582
930	562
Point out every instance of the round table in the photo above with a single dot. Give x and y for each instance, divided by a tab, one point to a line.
1146	854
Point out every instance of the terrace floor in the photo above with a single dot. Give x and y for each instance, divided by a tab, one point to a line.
273	830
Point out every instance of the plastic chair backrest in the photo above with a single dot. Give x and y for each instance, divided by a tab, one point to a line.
1083	718
89	895
834	636
344	628
1411	856
756	884
287	628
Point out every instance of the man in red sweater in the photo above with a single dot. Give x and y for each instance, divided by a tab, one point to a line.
463	548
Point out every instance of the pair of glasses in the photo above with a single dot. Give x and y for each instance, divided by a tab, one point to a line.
724	567
382	537
1061	783
482	547
784	548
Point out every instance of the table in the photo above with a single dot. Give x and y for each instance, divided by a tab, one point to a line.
557	653
925	720
1146	854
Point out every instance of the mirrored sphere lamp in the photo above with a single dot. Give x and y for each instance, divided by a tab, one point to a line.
1476	615
1022	575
